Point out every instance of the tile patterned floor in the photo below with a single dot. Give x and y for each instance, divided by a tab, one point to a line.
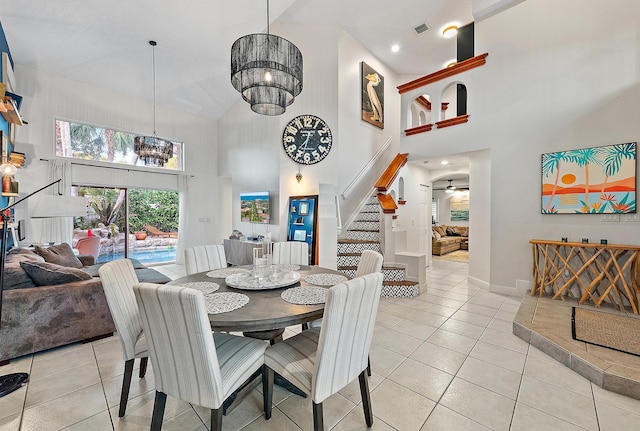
445	360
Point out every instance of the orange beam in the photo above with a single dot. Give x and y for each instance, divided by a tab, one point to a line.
463	66
390	174
419	129
452	121
387	203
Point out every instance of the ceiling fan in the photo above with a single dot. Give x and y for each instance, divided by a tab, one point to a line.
451	188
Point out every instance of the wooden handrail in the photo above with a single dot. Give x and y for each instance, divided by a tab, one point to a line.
390	174
419	129
387	203
463	66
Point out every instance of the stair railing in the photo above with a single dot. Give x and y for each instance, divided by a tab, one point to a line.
338	217
366	168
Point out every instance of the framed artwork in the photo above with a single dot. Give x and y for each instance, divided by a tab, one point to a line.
303	208
372	94
597	180
459	207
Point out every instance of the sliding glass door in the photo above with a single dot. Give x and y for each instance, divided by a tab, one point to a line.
141	224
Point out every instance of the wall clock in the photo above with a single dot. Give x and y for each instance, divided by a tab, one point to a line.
307	139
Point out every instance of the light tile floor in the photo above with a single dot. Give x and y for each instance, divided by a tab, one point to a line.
445	360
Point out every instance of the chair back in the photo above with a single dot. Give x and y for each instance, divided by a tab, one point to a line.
370	262
118	278
89	245
294	252
346	333
181	347
204	258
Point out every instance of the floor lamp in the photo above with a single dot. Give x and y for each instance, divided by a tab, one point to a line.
67	206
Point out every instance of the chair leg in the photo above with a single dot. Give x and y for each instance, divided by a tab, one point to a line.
158	411
216	419
369	366
267	390
366	398
143	367
318	420
126	383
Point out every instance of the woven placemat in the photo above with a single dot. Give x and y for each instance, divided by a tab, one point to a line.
325	279
284	267
202	286
225	272
224	301
305	295
606	330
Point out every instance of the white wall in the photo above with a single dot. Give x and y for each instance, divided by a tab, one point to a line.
444	209
251	145
559	76
47	97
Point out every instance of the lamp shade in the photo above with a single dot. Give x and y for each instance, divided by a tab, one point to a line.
267	70
48	206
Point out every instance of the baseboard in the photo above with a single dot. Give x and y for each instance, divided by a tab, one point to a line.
477	282
523	287
505	290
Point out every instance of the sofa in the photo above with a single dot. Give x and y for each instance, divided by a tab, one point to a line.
445	239
53	298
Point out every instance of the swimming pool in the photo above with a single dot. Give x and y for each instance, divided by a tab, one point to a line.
143	256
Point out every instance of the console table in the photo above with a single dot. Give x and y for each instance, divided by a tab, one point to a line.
595	272
240	252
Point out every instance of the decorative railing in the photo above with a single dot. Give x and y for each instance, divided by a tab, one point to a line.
390	174
463	66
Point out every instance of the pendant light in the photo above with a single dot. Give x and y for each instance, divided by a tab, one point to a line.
152	150
267	70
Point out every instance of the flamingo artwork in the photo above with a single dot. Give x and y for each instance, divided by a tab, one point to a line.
372	96
374	80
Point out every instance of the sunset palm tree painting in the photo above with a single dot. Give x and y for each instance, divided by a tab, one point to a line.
598	180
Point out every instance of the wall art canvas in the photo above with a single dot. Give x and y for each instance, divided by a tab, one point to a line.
372	94
459	207
597	180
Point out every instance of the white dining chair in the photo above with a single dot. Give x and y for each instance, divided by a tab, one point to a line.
189	362
204	258
294	252
118	278
322	361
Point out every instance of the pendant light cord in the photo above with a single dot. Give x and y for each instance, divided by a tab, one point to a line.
153	44
267	17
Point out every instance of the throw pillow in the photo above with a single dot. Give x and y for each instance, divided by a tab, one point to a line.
438	236
50	274
60	254
440	230
452	231
14	276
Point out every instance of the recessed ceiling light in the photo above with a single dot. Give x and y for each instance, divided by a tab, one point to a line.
449	30
444	162
450	63
395	48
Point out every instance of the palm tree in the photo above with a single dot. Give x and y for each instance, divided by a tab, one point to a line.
117	141
613	156
551	163
585	157
86	139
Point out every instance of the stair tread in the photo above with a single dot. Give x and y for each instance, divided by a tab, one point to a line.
357	241
363	230
349	254
399	283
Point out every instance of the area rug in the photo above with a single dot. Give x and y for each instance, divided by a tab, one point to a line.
454	256
606	330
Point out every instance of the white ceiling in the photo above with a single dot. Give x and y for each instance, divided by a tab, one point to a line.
105	43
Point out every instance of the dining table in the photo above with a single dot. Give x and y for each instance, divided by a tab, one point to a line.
261	302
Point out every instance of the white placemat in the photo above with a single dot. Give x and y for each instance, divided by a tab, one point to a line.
225	272
284	267
224	301
202	286
305	295
324	279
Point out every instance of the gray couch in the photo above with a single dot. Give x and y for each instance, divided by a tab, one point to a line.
40	314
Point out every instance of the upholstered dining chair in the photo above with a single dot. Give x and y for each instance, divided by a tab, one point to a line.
204	258
189	361
295	252
118	278
322	361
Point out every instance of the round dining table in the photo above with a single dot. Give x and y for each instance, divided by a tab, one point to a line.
266	313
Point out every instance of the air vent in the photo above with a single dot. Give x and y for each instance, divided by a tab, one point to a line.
421	28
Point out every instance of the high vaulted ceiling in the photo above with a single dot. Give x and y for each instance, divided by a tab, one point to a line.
105	43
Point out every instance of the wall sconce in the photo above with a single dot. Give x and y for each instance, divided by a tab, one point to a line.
299	176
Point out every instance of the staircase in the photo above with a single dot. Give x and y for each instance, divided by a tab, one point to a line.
364	234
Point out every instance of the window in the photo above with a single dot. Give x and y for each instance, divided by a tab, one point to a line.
87	142
434	211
